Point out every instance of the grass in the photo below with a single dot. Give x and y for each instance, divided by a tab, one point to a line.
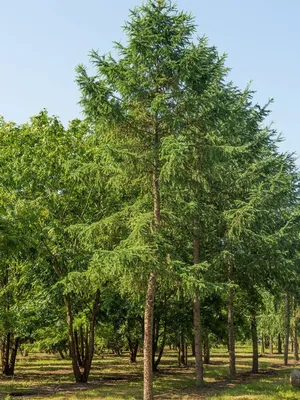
43	376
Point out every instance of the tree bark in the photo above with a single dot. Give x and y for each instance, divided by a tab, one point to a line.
182	349
89	353
271	346
206	347
148	338
295	333
161	349
5	352
279	344
287	329
9	354
262	348
82	377
197	326
254	344
150	297
13	357
231	339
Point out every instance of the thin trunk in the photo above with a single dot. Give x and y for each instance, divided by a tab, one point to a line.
5	352
13	357
80	361
73	354
197	325
287	329
206	349
148	338
182	350
262	348
231	340
82	343
254	344
150	297
186	353
295	333
60	352
279	344
133	351
161	349
271	346
91	345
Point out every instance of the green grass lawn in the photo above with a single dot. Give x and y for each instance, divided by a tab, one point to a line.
41	376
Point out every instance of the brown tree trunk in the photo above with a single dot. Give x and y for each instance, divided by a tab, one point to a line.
150	297
60	352
271	346
148	338
254	344
197	326
231	339
80	361
287	329
295	333
13	357
82	344
9	356
182	350
262	348
206	349
161	349
89	353
72	349
279	344
5	352
133	351
82	377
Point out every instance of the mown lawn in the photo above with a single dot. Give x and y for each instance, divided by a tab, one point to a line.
41	376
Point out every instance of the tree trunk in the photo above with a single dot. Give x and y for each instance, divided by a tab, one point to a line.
254	344
89	352
148	338
5	352
271	346
197	326
182	350
287	329
133	348
82	377
9	355
206	347
231	340
73	354
150	297
13	357
133	352
161	349
262	348
186	353
60	352
82	344
279	346
80	361
295	333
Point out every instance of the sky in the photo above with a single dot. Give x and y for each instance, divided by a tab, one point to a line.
42	41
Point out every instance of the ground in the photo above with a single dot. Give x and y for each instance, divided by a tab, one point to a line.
42	376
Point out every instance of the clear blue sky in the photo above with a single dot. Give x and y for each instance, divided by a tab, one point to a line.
43	40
